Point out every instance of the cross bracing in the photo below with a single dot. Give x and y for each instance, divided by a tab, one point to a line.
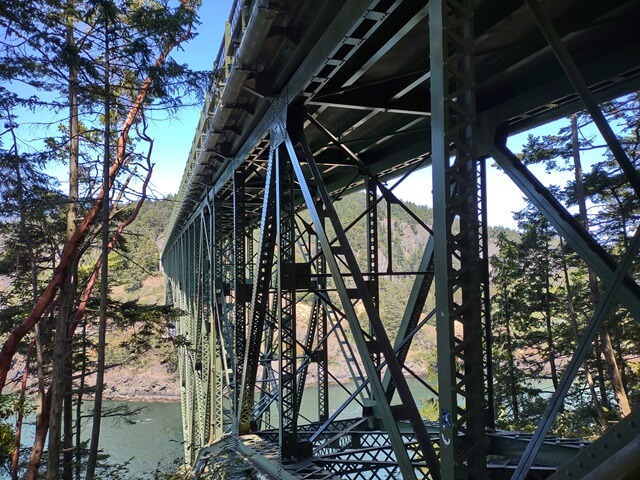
312	100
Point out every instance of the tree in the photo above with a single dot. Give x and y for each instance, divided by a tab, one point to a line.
539	313
57	49
606	187
506	280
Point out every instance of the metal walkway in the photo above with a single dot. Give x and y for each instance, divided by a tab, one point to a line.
311	100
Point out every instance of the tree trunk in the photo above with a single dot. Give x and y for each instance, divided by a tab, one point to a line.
513	390
42	427
614	372
15	457
67	443
83	372
61	362
104	278
547	314
44	400
620	360
605	339
12	342
574	322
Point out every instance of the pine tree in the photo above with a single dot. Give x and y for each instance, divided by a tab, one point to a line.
614	204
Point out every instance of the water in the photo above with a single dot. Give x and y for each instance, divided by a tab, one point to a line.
152	437
147	440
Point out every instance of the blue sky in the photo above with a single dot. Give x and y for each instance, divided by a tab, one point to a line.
173	136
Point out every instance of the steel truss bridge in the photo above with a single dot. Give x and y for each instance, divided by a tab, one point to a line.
314	99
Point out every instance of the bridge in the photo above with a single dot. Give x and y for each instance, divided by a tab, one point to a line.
313	99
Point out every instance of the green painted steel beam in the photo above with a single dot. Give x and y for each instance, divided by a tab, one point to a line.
387	350
567	226
615	454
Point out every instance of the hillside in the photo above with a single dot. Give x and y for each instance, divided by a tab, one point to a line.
136	277
148	371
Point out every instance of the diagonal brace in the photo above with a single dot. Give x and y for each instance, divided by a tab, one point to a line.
585	94
577	237
387	350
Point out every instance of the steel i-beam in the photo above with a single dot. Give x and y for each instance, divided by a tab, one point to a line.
286	313
323	359
215	336
240	283
567	226
581	87
372	253
259	299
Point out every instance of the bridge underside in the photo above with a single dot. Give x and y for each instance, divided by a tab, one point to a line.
284	298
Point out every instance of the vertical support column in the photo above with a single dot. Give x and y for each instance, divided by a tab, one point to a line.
239	235
286	309
457	251
204	307
216	336
196	430
218	302
259	300
486	292
323	367
343	248
193	334
181	330
372	256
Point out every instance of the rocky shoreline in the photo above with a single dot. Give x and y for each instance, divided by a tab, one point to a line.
150	384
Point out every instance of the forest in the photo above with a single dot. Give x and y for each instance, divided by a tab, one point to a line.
94	71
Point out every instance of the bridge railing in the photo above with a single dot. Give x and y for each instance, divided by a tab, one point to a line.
221	68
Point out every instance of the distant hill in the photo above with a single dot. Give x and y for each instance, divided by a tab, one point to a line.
137	277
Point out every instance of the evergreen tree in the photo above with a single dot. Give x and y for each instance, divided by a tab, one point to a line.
507	280
612	221
537	321
57	49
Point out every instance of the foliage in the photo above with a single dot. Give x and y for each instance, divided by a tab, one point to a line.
538	280
137	254
64	60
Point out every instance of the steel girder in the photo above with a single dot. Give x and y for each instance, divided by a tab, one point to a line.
191	287
260	298
240	277
328	319
286	312
222	340
342	247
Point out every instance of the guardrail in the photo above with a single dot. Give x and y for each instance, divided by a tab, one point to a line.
221	68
